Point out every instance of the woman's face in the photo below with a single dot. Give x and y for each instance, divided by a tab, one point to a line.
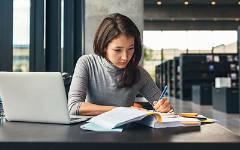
120	50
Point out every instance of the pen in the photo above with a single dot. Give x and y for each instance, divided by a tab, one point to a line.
161	96
163	92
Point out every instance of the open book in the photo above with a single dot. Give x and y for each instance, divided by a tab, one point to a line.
115	119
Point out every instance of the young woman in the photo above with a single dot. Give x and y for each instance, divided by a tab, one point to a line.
111	77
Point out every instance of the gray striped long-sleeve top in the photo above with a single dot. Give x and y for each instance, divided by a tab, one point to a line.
95	80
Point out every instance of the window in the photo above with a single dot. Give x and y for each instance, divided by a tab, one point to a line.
41	35
192	40
21	34
165	45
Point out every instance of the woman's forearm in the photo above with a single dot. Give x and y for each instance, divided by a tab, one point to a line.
90	109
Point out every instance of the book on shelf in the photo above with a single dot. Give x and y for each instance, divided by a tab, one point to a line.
118	118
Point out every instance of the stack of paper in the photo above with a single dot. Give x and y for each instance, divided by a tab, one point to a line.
168	121
115	120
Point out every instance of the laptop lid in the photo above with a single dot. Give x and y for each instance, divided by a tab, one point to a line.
34	97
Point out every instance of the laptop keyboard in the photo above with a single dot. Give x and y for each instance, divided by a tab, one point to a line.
72	119
83	118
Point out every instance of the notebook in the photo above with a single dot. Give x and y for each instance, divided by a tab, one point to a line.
115	120
35	97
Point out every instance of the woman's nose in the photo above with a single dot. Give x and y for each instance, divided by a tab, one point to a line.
124	56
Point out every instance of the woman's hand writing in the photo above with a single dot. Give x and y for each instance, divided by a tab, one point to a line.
163	105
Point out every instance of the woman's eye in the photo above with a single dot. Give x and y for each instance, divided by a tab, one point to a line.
130	49
117	50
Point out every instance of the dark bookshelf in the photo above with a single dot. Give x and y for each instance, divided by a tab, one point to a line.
202	69
158	78
170	77
176	77
225	99
164	74
181	73
202	94
161	75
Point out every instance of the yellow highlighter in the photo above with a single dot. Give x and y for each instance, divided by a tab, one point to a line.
189	115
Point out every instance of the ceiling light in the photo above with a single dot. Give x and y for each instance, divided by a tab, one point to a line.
159	3
186	2
238	2
236	19
213	3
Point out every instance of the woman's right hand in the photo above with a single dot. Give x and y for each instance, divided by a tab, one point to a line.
163	105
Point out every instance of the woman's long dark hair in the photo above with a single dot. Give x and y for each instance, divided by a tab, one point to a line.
111	27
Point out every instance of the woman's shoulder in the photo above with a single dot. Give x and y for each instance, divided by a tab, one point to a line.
143	73
141	69
88	58
89	61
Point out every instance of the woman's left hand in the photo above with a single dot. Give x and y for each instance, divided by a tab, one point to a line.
163	106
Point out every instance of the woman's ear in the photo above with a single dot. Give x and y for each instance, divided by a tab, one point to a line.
104	52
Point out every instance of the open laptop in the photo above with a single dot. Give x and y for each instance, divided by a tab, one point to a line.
35	97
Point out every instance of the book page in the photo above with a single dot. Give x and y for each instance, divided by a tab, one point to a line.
118	116
169	120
